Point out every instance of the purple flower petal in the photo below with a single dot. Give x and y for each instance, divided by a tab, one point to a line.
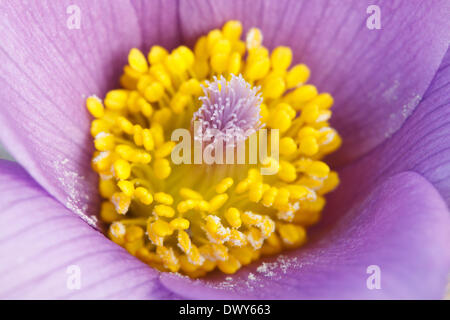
421	145
402	226
158	23
47	72
376	76
40	241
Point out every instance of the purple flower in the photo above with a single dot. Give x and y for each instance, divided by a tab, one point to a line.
392	98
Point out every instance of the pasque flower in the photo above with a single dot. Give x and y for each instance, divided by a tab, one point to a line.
390	88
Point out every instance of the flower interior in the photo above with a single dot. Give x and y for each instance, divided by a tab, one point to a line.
194	218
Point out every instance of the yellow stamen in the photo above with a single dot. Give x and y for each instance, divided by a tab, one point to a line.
95	106
180	223
116	99
162	228
107	187
108	212
127	187
143	195
196	218
137	60
121	201
233	217
122	169
104	141
164	198
164	211
296	76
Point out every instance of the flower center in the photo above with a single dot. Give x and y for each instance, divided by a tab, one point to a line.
193	218
230	111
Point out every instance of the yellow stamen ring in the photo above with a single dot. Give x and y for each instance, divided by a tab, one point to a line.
195	218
